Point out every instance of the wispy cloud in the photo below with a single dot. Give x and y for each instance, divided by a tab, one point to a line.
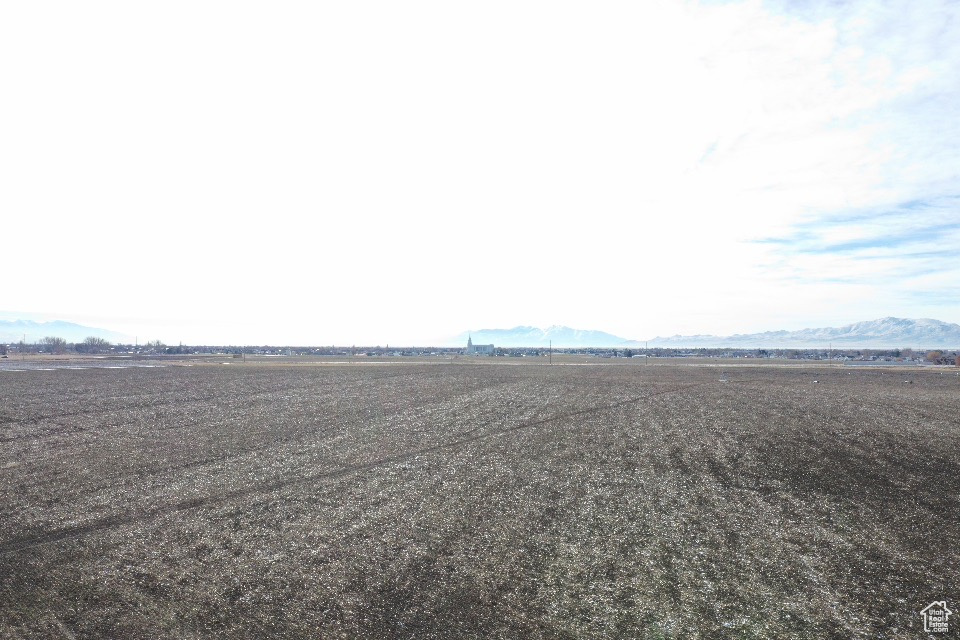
705	153
902	257
912	231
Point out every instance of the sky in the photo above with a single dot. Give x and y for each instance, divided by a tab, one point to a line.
397	173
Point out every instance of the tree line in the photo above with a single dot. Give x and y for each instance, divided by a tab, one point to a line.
90	344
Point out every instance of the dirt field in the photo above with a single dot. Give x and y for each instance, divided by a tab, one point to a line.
458	501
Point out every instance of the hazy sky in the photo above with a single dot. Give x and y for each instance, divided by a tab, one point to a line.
398	172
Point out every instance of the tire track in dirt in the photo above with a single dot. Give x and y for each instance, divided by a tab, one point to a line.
178	402
123	519
207	396
267	445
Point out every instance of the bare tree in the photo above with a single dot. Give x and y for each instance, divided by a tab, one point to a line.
54	344
93	344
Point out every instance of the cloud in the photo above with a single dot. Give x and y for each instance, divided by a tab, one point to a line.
879	221
334	164
889	247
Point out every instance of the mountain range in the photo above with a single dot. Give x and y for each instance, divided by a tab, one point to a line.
884	333
524	336
32	331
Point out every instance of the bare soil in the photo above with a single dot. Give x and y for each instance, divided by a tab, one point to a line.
456	501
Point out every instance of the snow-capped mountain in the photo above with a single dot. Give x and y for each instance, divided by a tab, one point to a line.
535	337
885	333
15	330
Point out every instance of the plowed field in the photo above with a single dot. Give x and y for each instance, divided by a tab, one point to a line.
477	501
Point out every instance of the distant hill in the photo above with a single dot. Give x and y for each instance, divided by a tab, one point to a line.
534	337
14	330
885	333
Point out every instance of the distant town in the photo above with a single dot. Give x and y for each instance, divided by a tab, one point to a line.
100	346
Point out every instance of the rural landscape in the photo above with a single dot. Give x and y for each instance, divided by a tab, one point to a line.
480	320
476	498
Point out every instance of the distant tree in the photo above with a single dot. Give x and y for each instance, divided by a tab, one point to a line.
956	360
53	344
156	345
93	344
933	356
628	353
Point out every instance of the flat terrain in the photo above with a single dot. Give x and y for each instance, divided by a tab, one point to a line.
453	500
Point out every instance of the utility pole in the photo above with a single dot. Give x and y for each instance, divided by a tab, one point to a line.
550	352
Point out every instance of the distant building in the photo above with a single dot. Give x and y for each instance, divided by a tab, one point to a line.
478	349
